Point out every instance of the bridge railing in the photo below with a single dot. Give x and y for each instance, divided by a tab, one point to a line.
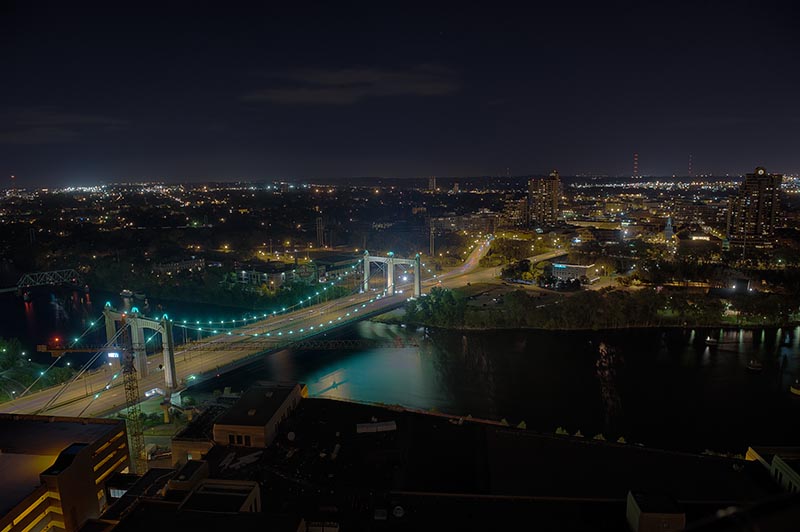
309	343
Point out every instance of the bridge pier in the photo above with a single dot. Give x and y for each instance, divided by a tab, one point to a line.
138	347
111	325
169	354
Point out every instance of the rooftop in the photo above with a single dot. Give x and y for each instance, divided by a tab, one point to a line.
155	517
655	503
189	469
438	454
49	435
148	485
202	426
31	445
257	405
20	477
219	496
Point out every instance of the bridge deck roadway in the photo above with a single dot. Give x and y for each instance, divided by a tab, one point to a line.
193	359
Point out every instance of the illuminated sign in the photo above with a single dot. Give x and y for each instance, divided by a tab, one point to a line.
113	354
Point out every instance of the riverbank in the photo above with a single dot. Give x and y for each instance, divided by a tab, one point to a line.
595	310
386	319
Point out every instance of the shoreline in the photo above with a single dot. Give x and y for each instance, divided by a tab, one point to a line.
395	321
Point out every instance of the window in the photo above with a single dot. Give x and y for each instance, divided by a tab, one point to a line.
247	441
230	439
239	439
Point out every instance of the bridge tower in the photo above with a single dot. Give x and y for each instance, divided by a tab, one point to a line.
390	260
390	274
138	323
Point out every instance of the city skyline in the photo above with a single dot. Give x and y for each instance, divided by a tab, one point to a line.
267	93
340	266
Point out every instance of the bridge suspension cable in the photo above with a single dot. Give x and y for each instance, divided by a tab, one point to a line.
275	341
72	344
78	375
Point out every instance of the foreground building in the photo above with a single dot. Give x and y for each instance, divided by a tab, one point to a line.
254	419
53	470
331	465
251	422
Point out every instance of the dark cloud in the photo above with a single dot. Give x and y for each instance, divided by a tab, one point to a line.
319	86
51	126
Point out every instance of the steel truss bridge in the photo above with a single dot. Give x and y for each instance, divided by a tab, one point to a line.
55	277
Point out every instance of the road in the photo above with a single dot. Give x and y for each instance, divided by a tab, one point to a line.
101	392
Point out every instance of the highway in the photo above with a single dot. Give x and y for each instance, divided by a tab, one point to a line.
101	392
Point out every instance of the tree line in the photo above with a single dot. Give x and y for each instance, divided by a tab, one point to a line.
603	309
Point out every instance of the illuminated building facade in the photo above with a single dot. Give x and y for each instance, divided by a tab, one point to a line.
53	470
543	195
753	212
569	272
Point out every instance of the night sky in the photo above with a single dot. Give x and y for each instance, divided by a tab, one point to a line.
98	93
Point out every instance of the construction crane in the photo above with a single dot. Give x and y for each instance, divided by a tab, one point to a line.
58	350
134	412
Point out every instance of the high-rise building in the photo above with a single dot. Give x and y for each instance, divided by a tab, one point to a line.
432	183
753	212
320	232
669	232
543	195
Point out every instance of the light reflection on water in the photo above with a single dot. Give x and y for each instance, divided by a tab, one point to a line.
669	389
660	389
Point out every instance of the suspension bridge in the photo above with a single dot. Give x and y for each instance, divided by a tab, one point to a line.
228	344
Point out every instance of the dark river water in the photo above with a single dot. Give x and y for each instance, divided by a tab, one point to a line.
660	387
